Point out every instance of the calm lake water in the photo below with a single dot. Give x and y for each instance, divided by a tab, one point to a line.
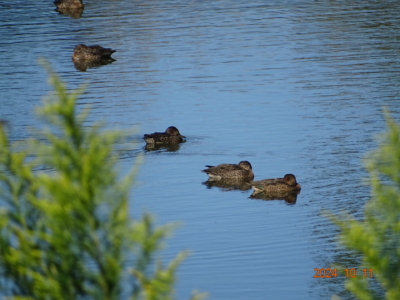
291	86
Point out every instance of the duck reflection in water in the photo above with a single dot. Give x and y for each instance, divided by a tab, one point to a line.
162	147
229	184
289	197
85	57
72	8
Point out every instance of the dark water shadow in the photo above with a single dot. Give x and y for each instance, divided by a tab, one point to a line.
74	13
84	65
228	185
289	197
161	147
4	123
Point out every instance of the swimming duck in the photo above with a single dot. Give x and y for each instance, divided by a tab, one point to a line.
243	171
286	184
83	53
65	4
170	136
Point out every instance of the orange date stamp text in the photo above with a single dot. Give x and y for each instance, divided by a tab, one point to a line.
333	273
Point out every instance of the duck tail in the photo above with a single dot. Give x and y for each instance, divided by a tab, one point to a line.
257	190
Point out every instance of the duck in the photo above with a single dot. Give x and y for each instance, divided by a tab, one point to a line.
242	171
83	53
286	184
68	4
170	136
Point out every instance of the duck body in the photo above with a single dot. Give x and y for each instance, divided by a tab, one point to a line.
287	184
241	171
83	53
68	4
170	136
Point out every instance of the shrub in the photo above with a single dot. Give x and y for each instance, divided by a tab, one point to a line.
65	231
377	236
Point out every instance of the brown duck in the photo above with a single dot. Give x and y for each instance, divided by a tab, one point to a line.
242	171
68	4
286	184
170	136
83	53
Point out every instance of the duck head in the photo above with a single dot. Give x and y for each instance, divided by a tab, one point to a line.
290	179
245	165
172	130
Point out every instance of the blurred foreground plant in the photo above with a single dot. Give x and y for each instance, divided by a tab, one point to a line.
65	231
377	237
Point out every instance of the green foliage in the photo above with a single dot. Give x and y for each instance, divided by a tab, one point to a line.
65	231
377	237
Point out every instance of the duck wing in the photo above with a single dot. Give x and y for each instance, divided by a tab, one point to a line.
155	135
98	50
222	169
264	182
